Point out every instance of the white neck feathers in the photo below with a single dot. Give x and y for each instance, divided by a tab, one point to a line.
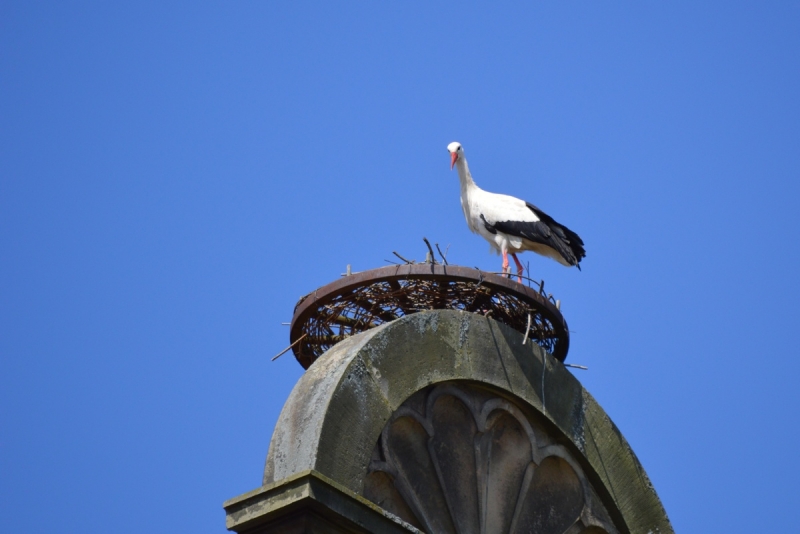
464	176
467	188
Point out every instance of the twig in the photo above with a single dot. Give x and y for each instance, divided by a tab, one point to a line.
444	256
428	243
402	258
576	366
284	351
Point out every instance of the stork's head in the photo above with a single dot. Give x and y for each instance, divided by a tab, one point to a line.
455	152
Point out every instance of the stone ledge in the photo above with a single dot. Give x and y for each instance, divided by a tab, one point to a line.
308	502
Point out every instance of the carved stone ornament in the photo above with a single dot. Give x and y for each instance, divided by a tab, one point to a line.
451	422
458	458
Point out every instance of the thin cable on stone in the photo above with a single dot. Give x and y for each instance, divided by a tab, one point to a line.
527	330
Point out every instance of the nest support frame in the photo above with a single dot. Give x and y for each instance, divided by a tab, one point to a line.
364	300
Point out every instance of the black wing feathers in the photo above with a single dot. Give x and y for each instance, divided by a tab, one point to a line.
489	227
547	232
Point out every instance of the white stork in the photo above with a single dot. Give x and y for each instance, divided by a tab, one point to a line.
511	225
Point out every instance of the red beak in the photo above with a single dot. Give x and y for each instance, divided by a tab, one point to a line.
453	158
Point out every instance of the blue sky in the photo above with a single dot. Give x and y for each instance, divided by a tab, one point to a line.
174	176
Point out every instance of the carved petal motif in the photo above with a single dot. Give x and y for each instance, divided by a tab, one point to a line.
458	459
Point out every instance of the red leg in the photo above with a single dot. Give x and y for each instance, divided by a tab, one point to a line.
520	269
506	268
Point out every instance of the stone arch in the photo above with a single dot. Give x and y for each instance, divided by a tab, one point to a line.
341	406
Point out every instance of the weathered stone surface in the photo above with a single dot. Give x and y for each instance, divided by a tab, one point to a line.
308	503
350	398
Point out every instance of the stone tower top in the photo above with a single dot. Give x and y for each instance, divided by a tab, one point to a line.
436	399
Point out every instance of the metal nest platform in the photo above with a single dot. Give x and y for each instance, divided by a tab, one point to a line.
364	300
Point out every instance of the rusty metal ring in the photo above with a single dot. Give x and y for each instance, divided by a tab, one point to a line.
361	301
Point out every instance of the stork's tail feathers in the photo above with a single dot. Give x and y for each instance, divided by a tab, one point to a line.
565	241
